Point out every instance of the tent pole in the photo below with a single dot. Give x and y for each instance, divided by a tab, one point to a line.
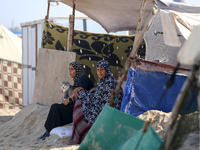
138	40
71	28
36	45
177	107
70	33
73	13
47	16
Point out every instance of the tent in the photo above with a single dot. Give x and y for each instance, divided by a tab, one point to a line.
10	69
10	46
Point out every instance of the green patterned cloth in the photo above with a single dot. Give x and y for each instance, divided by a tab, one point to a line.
115	130
91	47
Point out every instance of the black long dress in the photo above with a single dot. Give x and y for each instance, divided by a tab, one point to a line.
61	114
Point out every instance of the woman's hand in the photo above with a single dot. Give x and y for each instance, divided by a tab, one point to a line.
66	101
75	92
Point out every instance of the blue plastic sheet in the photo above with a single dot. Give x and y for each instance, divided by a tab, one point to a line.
144	88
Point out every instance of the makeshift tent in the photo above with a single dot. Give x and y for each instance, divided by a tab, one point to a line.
10	69
112	9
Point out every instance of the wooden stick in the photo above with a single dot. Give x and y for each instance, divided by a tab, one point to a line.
145	127
71	28
111	103
36	44
74	7
73	11
47	16
138	40
70	33
176	108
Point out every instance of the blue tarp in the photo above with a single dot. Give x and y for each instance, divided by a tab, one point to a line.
143	91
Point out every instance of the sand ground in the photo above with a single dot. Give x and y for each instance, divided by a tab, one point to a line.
21	128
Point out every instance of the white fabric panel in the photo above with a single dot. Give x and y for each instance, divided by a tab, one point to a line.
186	21
190	52
169	30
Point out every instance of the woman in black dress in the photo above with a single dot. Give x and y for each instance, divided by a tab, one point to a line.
61	114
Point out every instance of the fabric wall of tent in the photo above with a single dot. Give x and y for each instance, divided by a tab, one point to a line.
91	47
10	70
164	40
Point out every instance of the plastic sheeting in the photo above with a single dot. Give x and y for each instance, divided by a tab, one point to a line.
115	130
143	91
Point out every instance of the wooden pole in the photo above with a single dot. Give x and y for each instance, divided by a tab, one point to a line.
73	13
176	108
47	16
36	45
70	33
138	40
71	28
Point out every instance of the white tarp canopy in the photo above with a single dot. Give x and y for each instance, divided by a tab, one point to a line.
10	46
184	22
113	15
192	44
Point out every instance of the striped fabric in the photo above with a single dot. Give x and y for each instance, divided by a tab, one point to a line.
80	127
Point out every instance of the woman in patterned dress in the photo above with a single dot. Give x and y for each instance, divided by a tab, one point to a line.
89	105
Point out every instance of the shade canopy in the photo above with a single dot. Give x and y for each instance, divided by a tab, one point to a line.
113	15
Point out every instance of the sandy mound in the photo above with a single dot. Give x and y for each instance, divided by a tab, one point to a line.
22	131
190	125
158	120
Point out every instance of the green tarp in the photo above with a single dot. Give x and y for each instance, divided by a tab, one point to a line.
115	130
